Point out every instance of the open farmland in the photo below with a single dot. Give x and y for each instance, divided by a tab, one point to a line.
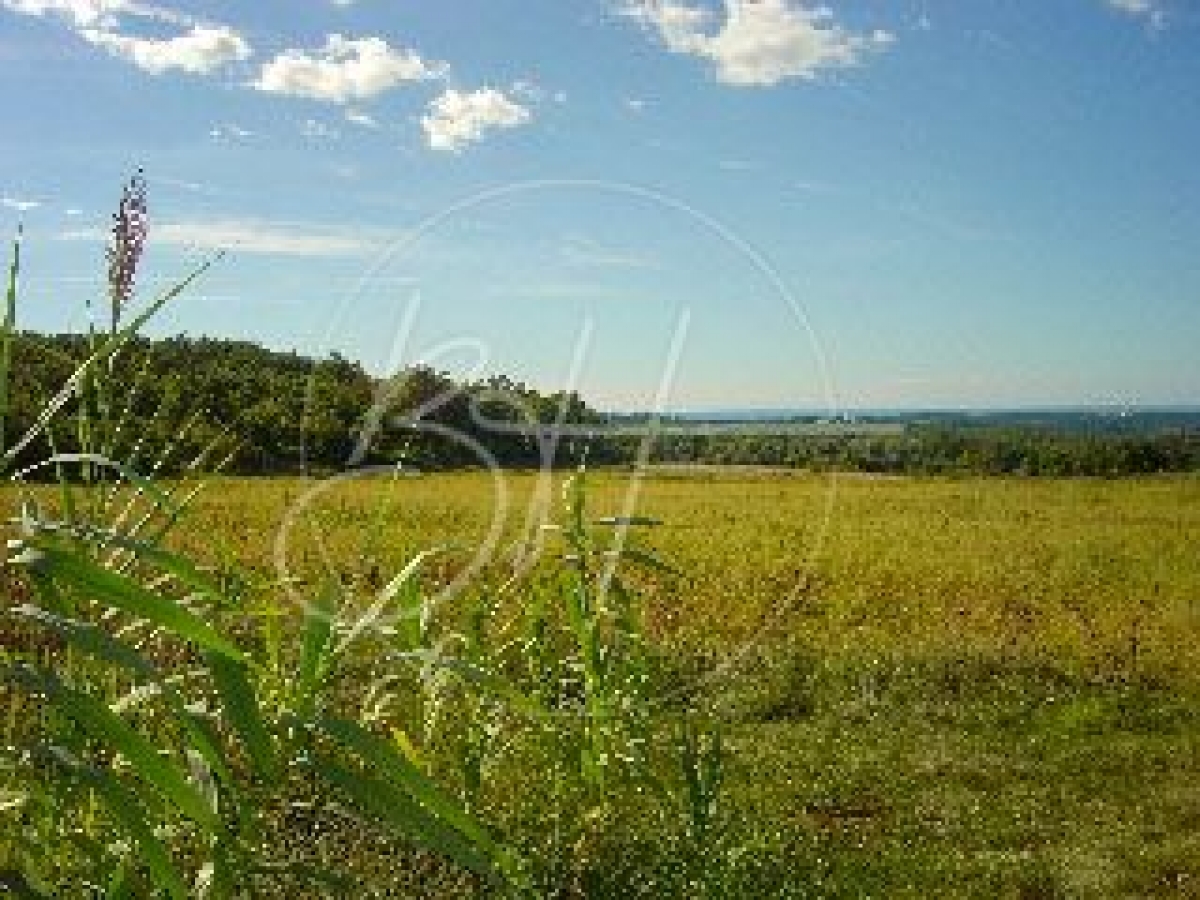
1096	577
976	687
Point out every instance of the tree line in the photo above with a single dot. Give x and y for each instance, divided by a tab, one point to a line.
184	402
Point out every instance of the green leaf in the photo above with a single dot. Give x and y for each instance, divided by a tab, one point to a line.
119	887
104	725
129	814
388	805
124	593
646	560
240	706
403	582
343	885
7	330
482	679
315	651
100	644
88	638
385	757
14	883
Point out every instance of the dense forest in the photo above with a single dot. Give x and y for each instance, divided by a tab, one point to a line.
181	402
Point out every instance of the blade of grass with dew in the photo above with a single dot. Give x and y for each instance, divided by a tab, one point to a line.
481	679
240	705
645	560
131	817
306	872
158	497
389	806
104	725
98	643
178	567
395	586
385	757
94	581
315	649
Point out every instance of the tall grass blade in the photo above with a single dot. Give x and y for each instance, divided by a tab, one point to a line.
315	649
398	584
240	706
129	814
383	802
99	644
386	758
102	724
15	885
160	499
92	580
102	353
7	332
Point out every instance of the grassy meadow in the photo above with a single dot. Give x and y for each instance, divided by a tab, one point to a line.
1094	578
938	687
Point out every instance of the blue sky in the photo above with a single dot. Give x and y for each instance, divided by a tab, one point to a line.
719	204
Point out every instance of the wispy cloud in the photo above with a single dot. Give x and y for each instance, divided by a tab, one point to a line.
20	205
344	70
456	118
527	89
578	250
179	184
229	132
200	50
758	42
361	119
100	13
81	13
252	236
1150	10
315	129
200	47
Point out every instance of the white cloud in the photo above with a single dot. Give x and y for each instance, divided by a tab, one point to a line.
103	14
636	104
759	42
251	236
362	119
192	187
73	212
344	70
1150	9
82	13
1136	7
200	50
529	90
228	131
312	128
18	204
458	118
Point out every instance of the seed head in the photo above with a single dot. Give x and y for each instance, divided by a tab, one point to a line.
128	241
